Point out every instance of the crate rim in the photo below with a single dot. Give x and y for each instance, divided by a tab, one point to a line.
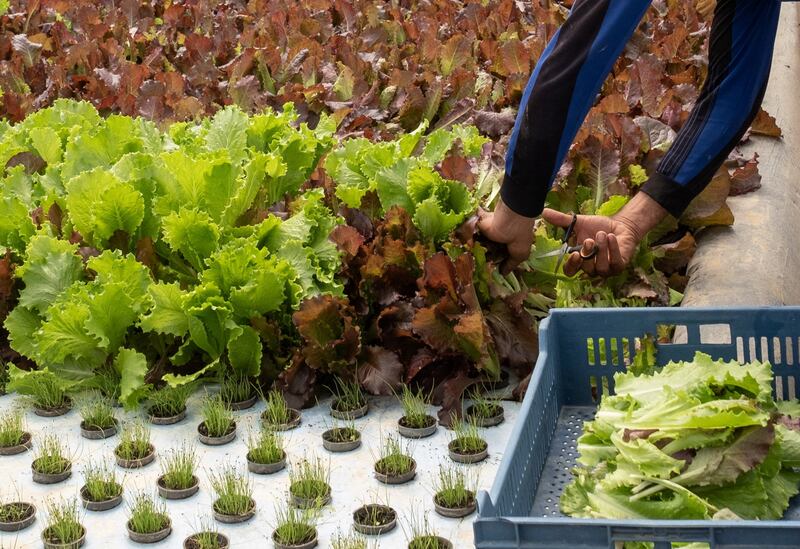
487	511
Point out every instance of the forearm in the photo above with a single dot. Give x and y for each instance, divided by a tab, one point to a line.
641	214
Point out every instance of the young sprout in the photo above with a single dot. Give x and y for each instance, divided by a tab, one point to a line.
51	457
276	411
484	407
134	441
46	391
63	524
217	417
207	537
295	526
352	540
233	490
97	413
415	412
178	468
148	515
310	481
12	429
346	432
235	388
100	483
169	401
452	488
467	438
421	535
394	458
348	396
265	448
14	511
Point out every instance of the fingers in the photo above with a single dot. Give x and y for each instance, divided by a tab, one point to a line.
587	265
554	217
617	262
486	225
572	264
517	253
601	263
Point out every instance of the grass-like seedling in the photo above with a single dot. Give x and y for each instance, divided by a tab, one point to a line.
46	392
295	526
234	492
134	441
15	511
276	411
178	468
348	396
235	388
148	515
207	537
484	407
217	417
453	490
265	448
51	456
415	412
169	401
97	413
346	432
394	458
421	535
12	429
100	483
63	524
352	540
467	438
310	480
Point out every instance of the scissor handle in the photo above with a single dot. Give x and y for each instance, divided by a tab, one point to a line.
579	248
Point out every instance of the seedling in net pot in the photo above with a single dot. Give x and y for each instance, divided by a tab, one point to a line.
218	426
416	422
207	537
178	479
101	489
374	519
455	494
63	527
295	528
13	437
134	449
265	453
168	405
485	411
237	391
47	394
149	521
51	463
341	438
349	402
395	465
98	418
277	414
234	495
16	515
421	535
467	446
309	484
351	540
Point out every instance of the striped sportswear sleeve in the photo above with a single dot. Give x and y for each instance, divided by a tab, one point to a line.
576	62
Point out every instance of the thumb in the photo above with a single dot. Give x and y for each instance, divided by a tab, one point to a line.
485	224
554	217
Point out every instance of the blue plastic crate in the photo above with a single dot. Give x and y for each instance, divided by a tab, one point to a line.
580	350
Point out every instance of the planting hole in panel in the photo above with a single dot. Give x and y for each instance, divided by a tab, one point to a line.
715	334
789	358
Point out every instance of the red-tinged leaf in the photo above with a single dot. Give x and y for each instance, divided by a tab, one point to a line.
448	394
494	124
765	124
519	391
435	330
380	371
332	341
297	384
454	54
514	335
440	274
514	58
675	255
746	178
710	206
422	359
29	51
347	239
614	103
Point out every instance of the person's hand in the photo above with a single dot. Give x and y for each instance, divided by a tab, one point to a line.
505	226
616	237
706	8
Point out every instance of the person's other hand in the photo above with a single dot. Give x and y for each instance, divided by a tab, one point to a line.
505	226
616	237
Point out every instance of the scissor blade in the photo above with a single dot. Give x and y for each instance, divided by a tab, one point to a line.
554	253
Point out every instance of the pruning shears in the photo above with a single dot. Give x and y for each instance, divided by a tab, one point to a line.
566	249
